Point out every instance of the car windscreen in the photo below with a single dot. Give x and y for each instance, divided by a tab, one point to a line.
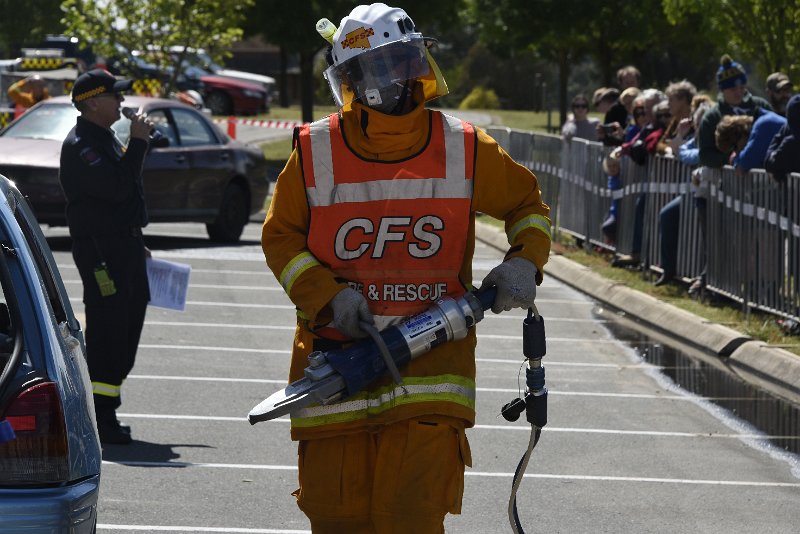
54	121
48	121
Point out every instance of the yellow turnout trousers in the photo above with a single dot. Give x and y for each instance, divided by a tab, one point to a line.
404	477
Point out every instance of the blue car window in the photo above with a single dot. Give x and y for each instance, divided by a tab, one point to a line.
193	129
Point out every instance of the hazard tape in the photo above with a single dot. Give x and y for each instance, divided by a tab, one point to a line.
260	123
6	116
147	87
47	63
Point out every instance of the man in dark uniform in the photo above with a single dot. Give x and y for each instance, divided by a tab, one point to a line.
102	181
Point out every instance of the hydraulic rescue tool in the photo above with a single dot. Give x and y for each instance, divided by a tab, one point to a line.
338	374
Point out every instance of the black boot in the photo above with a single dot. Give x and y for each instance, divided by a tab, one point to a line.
113	435
108	427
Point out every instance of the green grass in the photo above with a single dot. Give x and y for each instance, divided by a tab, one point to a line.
521	120
760	326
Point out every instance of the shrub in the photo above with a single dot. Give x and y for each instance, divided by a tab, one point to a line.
480	98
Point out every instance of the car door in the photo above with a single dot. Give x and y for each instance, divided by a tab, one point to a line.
212	162
167	172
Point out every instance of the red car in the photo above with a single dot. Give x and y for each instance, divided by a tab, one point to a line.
225	96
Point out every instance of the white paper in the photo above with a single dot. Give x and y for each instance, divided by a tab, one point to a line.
169	282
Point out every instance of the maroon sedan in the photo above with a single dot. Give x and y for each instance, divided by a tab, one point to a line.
201	176
226	96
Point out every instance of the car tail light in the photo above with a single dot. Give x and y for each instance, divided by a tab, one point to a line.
38	453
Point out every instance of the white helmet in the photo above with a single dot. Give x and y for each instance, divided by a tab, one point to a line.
375	51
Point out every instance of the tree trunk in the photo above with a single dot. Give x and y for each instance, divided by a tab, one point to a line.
307	85
563	78
283	81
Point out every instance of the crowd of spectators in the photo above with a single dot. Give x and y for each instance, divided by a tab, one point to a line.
737	128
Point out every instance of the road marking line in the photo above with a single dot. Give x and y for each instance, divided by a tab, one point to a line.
209	379
222	325
549	363
169	528
548	319
554	339
594	394
512	428
213	286
485	390
194	270
600	478
216	349
225	304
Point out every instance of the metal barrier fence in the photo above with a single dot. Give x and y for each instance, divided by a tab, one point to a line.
742	233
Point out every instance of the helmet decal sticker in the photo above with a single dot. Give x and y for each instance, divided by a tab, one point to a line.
358	38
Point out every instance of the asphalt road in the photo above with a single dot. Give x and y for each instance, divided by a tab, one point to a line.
624	450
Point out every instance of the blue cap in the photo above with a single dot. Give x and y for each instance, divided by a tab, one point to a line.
730	74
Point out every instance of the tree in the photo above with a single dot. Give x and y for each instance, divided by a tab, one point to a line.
26	25
764	31
291	25
155	26
557	29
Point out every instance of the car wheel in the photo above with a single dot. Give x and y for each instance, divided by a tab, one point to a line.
232	216
219	103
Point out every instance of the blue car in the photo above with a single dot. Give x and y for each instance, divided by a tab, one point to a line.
50	454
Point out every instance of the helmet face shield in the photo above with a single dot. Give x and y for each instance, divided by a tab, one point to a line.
377	75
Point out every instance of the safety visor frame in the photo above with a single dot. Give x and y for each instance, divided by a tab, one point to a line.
378	69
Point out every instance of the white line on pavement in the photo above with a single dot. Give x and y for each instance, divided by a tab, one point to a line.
214	286
474	474
264	272
512	428
221	325
209	379
170	528
215	349
659	396
552	363
225	304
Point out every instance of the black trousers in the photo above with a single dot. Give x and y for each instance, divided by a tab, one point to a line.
113	323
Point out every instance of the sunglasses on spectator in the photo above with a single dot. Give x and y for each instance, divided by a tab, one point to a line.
639	112
580	106
663	115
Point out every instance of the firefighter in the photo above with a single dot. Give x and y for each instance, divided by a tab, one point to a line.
373	219
27	92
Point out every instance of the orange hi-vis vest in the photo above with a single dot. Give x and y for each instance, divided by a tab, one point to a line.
395	231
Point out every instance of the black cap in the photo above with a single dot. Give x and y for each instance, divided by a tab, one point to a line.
96	82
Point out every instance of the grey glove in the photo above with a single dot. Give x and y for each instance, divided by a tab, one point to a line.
515	279
349	309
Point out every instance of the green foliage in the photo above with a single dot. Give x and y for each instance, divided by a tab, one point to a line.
763	31
209	24
26	24
480	98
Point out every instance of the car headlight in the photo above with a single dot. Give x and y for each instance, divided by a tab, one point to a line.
253	94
